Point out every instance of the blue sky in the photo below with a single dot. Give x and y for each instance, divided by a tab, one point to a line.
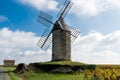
19	16
98	20
24	17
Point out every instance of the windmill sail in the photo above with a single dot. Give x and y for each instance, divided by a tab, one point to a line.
74	33
64	10
45	40
45	19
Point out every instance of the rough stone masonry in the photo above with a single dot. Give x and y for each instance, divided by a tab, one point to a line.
61	46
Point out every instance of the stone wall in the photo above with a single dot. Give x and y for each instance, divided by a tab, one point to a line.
61	46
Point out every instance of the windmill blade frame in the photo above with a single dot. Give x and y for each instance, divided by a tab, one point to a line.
64	10
45	40
45	19
74	33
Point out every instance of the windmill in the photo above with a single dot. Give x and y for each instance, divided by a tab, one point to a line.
60	36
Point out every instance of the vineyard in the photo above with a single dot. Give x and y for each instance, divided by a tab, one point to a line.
103	72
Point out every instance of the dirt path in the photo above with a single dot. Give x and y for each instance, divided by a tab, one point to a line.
3	74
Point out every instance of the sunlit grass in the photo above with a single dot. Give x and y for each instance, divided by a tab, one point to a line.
51	76
63	63
13	76
9	68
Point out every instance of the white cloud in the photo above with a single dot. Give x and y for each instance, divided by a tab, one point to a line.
94	7
3	18
80	7
21	46
91	48
41	4
97	48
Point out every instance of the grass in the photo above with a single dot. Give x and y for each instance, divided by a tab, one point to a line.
12	75
9	68
63	63
40	75
31	75
51	76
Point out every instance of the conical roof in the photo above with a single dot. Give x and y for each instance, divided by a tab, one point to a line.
63	24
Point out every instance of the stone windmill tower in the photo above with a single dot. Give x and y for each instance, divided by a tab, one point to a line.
61	35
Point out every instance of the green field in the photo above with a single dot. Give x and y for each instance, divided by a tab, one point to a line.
51	76
98	74
12	75
89	72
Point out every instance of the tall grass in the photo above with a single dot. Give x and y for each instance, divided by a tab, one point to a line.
52	76
13	76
